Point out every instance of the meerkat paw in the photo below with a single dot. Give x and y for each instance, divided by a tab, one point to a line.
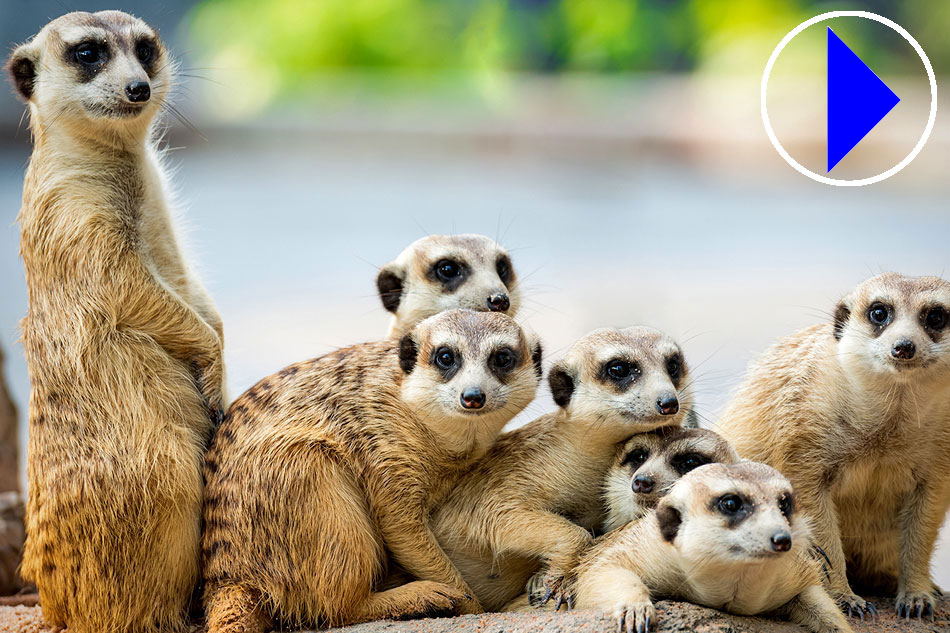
552	584
936	591
856	607
438	600
914	605
638	617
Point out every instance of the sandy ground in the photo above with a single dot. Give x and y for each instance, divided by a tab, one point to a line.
674	616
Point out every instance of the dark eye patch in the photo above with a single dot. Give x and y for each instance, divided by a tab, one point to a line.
674	367
620	372
934	319
503	268
880	315
145	52
446	361
450	273
503	361
88	57
786	505
636	458
685	462
733	507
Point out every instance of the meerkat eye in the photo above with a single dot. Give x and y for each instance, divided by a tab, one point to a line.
447	270
936	318
637	457
689	461
144	52
88	53
785	505
503	268
730	504
878	313
620	370
444	358
674	366
503	359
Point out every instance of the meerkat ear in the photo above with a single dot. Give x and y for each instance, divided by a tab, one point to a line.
561	384
408	352
536	356
389	284
669	519
22	69
842	314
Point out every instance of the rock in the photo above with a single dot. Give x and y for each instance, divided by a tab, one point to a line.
12	536
675	617
9	462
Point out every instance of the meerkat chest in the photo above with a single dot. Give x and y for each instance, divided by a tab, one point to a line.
874	487
748	590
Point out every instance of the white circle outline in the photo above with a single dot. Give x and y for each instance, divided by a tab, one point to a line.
861	181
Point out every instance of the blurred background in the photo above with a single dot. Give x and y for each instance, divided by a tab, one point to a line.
616	147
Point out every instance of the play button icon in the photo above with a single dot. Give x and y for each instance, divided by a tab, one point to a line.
857	99
855	102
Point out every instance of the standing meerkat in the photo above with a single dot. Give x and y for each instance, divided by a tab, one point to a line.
535	498
841	409
442	272
726	537
648	465
320	472
123	345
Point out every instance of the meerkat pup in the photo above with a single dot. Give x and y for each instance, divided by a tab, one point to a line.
535	498
320	471
726	536
123	344
856	413
442	272
648	465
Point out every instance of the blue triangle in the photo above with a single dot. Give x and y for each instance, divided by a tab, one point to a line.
857	99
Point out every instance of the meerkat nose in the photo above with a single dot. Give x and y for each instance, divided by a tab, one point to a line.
904	349
668	404
499	302
643	484
138	91
473	398
781	541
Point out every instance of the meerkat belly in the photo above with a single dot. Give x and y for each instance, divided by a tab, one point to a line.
753	590
869	496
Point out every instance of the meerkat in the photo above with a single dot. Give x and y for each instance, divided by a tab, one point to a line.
122	342
648	465
322	470
726	536
841	409
535	499
442	272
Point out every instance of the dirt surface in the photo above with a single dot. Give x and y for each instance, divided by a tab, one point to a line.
674	617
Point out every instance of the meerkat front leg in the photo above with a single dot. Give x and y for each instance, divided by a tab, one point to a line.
921	519
145	304
816	611
621	593
818	505
406	532
551	538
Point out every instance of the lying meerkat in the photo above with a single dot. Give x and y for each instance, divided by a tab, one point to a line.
535	497
648	465
726	536
122	342
323	469
841	409
442	272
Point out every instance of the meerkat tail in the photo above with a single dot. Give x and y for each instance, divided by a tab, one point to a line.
236	609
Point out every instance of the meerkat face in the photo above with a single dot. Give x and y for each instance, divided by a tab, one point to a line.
469	370
650	463
742	512
634	379
107	68
442	272
896	326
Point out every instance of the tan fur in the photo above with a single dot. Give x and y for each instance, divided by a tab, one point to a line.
865	439
412	290
535	497
123	345
688	550
320	470
660	457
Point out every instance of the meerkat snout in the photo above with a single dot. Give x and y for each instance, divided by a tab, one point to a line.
138	91
904	349
668	404
473	398
498	302
782	541
643	484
